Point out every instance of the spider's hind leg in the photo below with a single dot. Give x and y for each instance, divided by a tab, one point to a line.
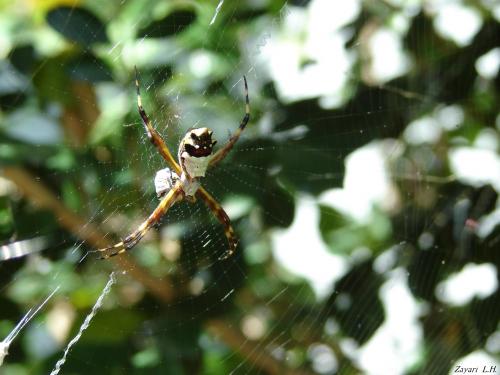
173	195
128	243
223	218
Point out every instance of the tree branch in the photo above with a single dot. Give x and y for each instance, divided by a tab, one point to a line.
254	352
42	197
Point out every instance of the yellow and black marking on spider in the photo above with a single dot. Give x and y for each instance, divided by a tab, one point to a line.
182	180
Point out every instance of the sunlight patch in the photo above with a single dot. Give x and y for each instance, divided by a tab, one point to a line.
388	58
475	166
450	117
201	63
487	65
423	130
493	343
487	139
473	281
397	344
300	250
339	14
366	182
297	59
457	22
323	359
475	362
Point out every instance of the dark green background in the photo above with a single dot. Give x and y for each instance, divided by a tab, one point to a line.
100	166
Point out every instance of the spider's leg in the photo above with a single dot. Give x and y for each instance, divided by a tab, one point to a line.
153	135
221	154
133	239
223	219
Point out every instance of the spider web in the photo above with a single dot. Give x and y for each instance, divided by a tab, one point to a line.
351	226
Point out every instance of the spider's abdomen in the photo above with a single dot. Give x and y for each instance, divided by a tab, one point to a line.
195	166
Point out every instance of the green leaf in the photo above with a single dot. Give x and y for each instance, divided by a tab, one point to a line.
12	101
89	68
344	235
24	58
278	205
330	220
172	24
111	326
355	302
33	127
52	82
6	219
78	25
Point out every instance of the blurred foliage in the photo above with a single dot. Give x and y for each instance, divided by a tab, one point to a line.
68	118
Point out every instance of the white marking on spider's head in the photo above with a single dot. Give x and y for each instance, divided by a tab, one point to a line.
198	142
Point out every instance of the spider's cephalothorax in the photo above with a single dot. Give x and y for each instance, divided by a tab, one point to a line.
181	180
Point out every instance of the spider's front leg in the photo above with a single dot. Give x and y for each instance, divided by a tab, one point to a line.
222	153
174	195
151	132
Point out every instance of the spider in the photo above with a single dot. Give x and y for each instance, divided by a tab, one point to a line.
182	180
